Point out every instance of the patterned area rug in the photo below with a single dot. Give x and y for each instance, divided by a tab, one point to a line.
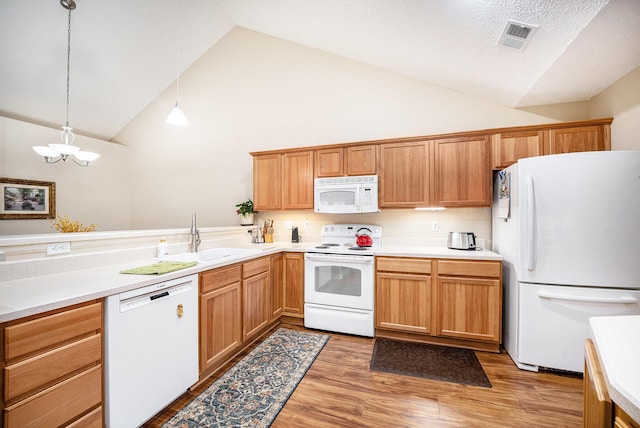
428	361
253	391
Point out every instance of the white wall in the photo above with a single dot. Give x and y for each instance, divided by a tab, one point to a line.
622	102
253	92
97	194
400	226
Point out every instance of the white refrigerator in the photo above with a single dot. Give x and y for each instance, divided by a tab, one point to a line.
568	229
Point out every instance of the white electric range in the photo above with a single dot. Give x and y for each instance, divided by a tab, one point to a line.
339	280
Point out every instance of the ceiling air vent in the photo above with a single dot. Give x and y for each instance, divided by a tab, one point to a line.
517	34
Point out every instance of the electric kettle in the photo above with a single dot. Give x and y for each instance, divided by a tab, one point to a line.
461	241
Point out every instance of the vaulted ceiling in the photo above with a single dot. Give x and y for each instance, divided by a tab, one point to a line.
124	53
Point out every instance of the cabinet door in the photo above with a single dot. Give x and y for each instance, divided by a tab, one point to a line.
277	285
294	284
404	175
267	182
462	172
298	180
220	321
579	139
330	162
362	160
256	304
597	404
469	308
507	148
403	302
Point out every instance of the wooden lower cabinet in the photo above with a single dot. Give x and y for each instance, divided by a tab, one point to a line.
403	295
235	307
293	304
454	302
52	368
256	302
220	316
277	286
469	308
599	411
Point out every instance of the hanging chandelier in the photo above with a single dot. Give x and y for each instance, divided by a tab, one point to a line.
64	150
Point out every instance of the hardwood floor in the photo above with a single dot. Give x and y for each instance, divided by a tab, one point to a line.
339	390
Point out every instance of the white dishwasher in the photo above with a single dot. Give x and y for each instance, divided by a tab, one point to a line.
151	349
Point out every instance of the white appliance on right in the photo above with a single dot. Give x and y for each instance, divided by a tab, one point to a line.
568	229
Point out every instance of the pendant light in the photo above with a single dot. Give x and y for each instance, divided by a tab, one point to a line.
177	117
56	152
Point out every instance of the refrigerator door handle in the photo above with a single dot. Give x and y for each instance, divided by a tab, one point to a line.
530	212
587	299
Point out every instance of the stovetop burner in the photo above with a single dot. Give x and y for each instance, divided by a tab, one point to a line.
341	239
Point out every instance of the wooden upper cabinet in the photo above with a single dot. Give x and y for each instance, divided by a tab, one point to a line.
351	160
267	182
404	175
462	172
361	160
330	162
297	180
508	147
579	139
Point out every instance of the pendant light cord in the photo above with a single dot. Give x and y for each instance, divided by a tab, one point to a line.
178	58
68	62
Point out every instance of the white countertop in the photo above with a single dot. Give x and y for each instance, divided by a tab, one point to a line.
617	341
24	297
435	252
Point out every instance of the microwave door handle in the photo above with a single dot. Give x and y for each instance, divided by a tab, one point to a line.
358	189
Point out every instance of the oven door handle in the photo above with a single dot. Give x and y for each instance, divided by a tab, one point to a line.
347	259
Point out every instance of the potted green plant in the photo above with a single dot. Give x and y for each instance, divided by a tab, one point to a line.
245	211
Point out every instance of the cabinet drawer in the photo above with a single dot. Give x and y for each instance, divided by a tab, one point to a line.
216	278
391	264
92	419
58	404
42	369
42	333
255	267
469	268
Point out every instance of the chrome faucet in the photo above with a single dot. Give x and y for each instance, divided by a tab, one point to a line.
195	235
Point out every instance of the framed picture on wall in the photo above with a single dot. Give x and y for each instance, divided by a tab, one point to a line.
27	199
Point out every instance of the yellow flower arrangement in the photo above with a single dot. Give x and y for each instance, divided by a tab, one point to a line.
66	225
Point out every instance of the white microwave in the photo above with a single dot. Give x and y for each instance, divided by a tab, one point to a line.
346	195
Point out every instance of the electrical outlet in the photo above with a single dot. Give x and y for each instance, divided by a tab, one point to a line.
58	248
307	225
288	224
434	226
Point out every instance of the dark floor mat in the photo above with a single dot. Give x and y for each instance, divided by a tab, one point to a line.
428	361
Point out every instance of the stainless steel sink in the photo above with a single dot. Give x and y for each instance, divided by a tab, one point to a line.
211	255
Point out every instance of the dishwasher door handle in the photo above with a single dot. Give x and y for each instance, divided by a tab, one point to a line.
159	295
